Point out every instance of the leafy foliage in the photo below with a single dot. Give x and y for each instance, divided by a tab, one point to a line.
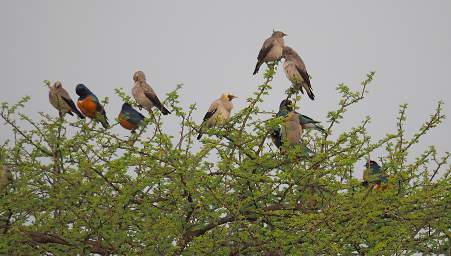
77	188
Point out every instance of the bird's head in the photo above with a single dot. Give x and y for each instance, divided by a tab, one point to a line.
139	76
287	51
228	97
126	106
82	90
57	85
278	34
286	105
373	165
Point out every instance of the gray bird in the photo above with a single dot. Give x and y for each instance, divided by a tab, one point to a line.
61	100
144	95
218	113
271	50
296	72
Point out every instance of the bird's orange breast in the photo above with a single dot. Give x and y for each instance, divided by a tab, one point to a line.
88	107
123	121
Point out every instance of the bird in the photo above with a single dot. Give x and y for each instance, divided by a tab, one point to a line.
291	129
271	50
129	118
296	72
61	100
374	176
218	113
294	124
144	95
90	105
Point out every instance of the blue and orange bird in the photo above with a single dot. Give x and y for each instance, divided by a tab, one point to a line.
90	105
129	118
374	176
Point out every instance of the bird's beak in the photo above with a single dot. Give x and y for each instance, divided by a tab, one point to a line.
231	97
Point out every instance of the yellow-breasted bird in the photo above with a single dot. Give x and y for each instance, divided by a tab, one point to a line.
61	100
218	113
129	118
90	105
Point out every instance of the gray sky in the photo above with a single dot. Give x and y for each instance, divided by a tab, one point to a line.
211	46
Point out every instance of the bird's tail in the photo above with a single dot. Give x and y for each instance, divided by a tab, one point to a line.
200	132
319	128
79	114
105	123
309	91
257	67
164	110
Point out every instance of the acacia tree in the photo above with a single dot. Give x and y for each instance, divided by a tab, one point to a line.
76	188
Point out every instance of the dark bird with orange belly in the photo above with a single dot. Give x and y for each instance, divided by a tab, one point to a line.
90	105
129	118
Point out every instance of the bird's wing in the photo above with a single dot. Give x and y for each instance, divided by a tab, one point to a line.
211	111
135	116
154	99
71	104
267	45
307	120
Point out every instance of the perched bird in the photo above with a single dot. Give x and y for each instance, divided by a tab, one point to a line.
144	95
90	105
271	50
129	118
296	72
61	100
374	176
293	126
218	113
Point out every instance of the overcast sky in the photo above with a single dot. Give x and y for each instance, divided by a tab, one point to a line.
211	47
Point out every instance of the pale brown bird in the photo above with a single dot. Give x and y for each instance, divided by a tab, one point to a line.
61	100
144	95
218	113
271	50
296	72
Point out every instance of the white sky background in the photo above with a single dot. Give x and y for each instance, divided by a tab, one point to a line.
211	47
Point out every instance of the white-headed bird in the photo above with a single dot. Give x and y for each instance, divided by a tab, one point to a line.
271	50
61	100
218	113
296	72
144	94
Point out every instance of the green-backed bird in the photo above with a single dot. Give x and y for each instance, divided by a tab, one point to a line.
374	176
61	100
271	50
218	113
144	94
129	118
90	105
296	72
